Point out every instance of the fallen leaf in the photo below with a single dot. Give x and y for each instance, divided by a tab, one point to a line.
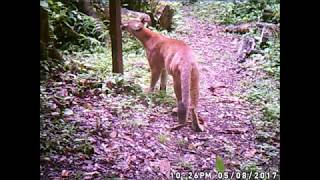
165	167
46	158
250	153
91	173
123	165
92	140
87	106
220	116
133	158
152	118
55	113
127	138
62	159
65	173
113	134
198	144
175	110
109	84
68	112
191	146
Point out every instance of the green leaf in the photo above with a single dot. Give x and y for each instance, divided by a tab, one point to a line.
219	164
59	4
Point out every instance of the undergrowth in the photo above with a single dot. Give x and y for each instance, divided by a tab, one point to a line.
88	60
262	89
240	12
86	71
74	31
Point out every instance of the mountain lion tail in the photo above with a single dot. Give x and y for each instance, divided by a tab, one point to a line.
183	106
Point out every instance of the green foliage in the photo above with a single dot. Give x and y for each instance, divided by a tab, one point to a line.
150	6
131	46
219	12
73	30
178	24
219	164
272	58
265	94
162	98
58	137
240	12
271	111
49	68
163	138
249	167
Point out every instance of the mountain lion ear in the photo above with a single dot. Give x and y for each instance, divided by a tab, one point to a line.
146	20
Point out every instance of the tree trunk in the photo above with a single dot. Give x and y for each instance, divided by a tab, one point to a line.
166	16
45	50
86	7
247	46
44	33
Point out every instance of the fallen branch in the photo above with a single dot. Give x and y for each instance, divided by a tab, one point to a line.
274	27
189	151
241	28
245	27
180	126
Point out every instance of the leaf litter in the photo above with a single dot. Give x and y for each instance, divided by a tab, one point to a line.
115	135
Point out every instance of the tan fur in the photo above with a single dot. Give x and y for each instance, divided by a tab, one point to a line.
174	57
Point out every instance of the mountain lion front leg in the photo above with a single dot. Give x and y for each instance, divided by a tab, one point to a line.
155	75
163	83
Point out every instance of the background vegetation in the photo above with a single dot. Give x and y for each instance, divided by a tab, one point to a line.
84	43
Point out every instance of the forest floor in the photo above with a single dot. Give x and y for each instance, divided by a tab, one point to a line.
127	136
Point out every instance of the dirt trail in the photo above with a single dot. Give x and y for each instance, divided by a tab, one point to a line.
136	153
